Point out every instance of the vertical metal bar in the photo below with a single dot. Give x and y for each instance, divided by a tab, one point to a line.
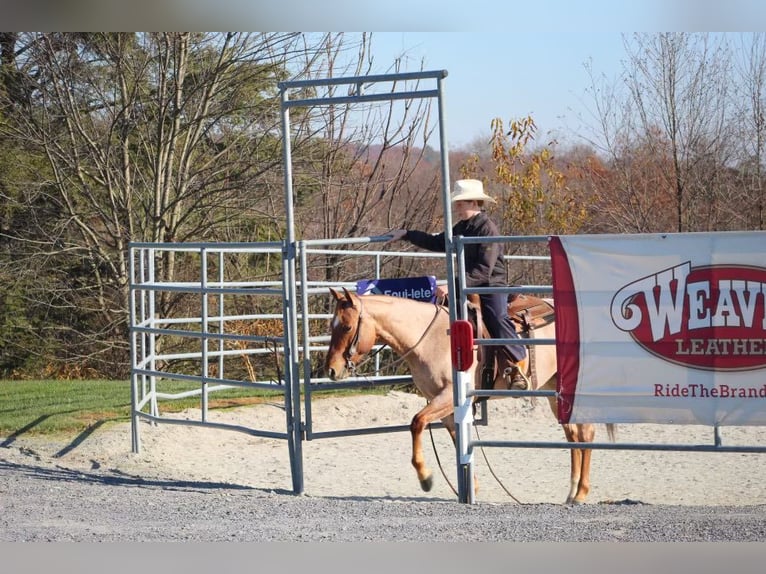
465	467
143	302
306	343
463	405
292	383
221	323
460	257
449	247
152	321
377	276
135	443
204	327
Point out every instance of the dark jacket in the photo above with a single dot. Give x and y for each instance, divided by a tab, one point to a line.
483	264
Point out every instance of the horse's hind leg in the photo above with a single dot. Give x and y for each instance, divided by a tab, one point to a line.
579	478
584	487
438	408
574	474
550	385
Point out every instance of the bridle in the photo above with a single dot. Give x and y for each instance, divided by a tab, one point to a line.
352	347
351	350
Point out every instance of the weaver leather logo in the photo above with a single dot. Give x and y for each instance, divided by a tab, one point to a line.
710	317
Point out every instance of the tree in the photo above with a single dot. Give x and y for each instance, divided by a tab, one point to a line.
749	206
161	137
372	168
533	194
676	108
171	137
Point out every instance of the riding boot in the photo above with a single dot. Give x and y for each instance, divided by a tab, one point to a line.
514	373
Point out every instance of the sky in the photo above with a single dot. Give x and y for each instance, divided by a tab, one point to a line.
501	18
541	74
504	58
482	16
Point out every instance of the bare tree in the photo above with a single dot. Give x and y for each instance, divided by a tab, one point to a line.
373	169
749	205
677	108
162	137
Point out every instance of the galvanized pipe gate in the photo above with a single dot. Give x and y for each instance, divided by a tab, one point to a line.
210	331
149	366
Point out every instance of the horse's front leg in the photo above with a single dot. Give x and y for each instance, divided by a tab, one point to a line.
438	408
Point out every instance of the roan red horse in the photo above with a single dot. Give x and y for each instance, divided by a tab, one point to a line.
419	334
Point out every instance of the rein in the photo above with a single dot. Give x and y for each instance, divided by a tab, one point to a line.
489	466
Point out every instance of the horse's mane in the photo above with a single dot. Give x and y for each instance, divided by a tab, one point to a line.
391	299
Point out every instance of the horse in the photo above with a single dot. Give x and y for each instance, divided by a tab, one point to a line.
535	319
418	332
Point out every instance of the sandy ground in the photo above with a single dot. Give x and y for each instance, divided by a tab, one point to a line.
378	465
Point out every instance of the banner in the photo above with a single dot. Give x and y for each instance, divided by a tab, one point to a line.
418	288
666	328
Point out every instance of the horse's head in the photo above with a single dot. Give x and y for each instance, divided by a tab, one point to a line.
352	335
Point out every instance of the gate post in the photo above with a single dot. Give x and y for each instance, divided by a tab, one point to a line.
461	346
290	309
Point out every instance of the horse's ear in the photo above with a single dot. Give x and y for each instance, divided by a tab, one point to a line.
335	294
348	296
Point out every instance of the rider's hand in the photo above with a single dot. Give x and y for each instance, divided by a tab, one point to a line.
396	234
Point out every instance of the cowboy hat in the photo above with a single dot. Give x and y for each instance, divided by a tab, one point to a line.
469	189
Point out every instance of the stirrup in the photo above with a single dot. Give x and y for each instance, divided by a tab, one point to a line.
515	379
487	378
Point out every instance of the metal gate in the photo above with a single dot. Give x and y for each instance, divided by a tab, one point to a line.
193	349
190	352
191	339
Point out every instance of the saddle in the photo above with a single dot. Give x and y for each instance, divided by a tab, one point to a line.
527	313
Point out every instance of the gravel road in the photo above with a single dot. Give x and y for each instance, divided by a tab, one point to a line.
48	503
208	485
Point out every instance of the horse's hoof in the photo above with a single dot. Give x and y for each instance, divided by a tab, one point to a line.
427	483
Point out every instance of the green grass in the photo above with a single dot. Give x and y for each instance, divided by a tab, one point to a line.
65	407
43	407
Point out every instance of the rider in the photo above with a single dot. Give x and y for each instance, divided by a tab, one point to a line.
484	268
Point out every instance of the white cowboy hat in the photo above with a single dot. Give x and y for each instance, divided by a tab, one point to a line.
469	189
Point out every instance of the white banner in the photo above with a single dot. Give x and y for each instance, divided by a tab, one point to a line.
664	328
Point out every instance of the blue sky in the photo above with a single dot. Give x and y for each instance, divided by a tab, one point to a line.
541	74
505	58
491	18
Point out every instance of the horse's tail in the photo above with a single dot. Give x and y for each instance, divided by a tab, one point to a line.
611	431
